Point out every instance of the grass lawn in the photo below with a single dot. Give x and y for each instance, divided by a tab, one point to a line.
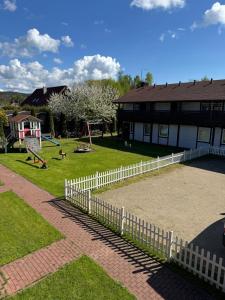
108	153
82	280
22	229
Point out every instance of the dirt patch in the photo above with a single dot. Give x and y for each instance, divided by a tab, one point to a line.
188	200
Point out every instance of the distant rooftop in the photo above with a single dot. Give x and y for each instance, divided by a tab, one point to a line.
212	90
41	96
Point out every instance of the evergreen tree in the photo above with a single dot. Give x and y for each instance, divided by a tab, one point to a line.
51	124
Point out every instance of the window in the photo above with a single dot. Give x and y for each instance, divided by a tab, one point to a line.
137	107
147	129
223	137
127	106
204	134
206	106
148	106
163	131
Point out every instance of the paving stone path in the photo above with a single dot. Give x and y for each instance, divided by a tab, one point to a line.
143	276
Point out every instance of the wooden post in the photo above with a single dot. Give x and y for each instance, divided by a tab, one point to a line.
122	211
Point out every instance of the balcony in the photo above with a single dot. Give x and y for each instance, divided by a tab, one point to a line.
199	118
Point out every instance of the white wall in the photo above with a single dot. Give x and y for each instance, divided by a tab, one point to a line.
138	132
162	106
190	106
188	136
217	137
147	138
163	141
173	135
155	130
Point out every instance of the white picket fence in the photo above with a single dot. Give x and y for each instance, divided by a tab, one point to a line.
148	236
101	179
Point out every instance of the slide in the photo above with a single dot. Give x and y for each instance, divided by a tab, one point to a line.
44	165
50	139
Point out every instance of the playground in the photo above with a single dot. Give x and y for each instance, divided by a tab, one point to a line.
107	153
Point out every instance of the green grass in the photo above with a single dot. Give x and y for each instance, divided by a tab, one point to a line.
22	229
108	153
82	280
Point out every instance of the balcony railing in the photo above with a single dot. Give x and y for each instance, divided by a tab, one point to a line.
200	118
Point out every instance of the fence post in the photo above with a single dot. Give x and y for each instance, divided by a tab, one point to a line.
170	245
158	162
65	189
89	202
172	159
122	220
96	180
141	165
121	172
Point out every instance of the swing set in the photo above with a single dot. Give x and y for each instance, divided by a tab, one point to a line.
86	131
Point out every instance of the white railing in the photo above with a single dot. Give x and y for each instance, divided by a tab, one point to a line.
150	237
101	179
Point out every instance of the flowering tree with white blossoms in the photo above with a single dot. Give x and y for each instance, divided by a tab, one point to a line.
86	102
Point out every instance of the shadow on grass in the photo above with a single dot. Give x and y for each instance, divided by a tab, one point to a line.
26	163
136	147
159	277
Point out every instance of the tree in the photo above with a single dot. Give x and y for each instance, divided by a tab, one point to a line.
149	78
51	124
205	78
137	81
86	102
3	122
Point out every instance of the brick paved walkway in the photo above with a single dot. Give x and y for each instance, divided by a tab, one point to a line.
142	275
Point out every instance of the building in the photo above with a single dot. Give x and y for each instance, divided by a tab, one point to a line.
41	96
186	115
25	126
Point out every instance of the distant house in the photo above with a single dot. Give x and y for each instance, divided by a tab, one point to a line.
187	115
41	96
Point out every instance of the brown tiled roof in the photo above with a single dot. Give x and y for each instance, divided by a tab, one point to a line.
20	118
39	98
191	91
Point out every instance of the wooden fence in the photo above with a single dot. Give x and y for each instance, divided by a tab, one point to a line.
101	179
150	237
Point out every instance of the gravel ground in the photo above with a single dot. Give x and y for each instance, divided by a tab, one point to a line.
189	200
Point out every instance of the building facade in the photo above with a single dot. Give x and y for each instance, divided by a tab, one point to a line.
186	115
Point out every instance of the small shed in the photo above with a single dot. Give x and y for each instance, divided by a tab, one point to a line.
23	126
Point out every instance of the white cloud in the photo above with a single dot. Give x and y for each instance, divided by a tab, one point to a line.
152	4
30	44
67	41
26	77
9	5
213	16
65	23
57	61
107	30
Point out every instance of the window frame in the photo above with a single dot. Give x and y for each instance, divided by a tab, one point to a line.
202	140
163	136
223	137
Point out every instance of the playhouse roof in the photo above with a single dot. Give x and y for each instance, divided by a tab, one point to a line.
21	118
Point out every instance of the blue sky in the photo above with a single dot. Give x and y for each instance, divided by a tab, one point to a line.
46	42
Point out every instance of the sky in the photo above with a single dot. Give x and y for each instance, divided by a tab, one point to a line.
54	42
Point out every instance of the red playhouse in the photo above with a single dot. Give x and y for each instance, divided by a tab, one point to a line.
25	126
